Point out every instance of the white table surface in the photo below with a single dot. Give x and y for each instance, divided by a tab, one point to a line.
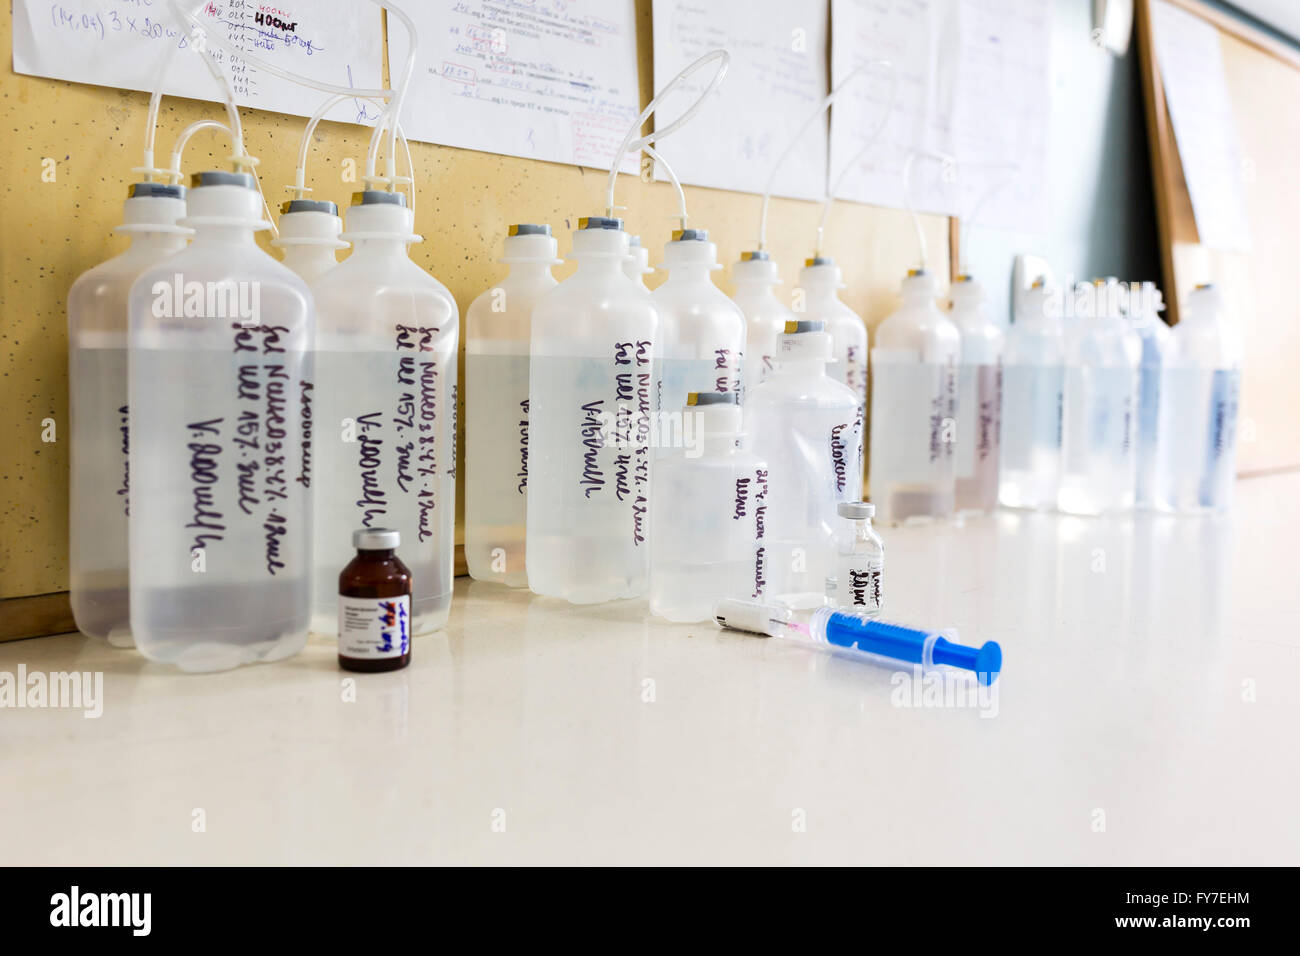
1147	713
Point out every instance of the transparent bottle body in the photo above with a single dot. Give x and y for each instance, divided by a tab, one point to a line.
856	577
848	340
385	426
1098	440
1033	396
99	472
496	428
706	541
977	454
1196	469
808	429
765	319
592	405
1154	336
701	348
221	466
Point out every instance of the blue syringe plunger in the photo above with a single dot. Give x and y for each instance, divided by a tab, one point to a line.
898	643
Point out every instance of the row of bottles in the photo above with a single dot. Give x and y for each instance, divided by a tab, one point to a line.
259	415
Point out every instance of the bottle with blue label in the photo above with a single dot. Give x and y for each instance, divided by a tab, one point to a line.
498	327
591	406
1197	460
374	604
709	515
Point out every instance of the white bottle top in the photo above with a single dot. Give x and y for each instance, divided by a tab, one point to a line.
696	317
637	263
918	331
309	236
1103	338
981	338
1204	337
718	421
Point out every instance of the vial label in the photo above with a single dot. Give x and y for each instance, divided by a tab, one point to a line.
374	628
863	584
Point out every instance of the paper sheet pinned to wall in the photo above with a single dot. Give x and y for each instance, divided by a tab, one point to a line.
554	80
972	81
121	43
776	78
1196	92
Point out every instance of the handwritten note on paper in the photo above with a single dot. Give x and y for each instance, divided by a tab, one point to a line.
972	81
554	80
776	78
122	42
1196	90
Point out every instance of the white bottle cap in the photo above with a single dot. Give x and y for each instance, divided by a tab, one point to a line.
966	291
310	222
821	271
920	283
755	266
220	198
856	510
805	339
600	236
375	539
153	207
690	247
530	242
380	214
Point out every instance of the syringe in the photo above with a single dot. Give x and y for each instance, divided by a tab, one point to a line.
886	643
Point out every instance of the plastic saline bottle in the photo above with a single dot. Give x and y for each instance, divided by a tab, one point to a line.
808	428
858	564
385	423
979	397
374	604
637	264
591	406
1198	408
709	515
701	331
498	326
99	478
1098	453
819	285
1033	389
221	462
755	278
914	407
309	237
1144	317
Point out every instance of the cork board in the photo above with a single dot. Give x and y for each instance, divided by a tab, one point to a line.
1264	86
53	231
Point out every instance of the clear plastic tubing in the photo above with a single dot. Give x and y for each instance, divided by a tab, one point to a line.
754	278
99	476
1033	387
386	406
498	327
876	640
221	468
701	332
914	407
819	284
591	406
709	515
979	397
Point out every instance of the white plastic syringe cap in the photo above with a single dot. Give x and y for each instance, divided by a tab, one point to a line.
767	620
375	539
530	242
804	339
756	266
820	271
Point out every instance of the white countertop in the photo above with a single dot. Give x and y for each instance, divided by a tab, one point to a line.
1146	713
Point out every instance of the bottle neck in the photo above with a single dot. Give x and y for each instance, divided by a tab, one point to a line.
392	248
802	367
387	554
530	270
157	242
224	235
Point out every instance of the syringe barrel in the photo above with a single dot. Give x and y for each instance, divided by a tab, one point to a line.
844	629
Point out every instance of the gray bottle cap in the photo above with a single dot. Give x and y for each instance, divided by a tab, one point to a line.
375	539
600	222
690	235
528	229
158	190
710	398
220	177
308	205
819	261
378	197
804	325
856	510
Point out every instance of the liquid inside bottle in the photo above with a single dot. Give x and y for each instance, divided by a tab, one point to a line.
1033	387
979	397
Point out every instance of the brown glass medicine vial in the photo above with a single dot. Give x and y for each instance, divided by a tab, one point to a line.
375	604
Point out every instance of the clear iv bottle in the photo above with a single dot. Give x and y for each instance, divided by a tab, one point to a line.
1098	451
709	515
819	284
701	332
979	396
99	479
1144	310
591	405
498	326
808	428
221	457
914	407
754	277
637	264
309	237
1199	405
858	563
1033	395
385	423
